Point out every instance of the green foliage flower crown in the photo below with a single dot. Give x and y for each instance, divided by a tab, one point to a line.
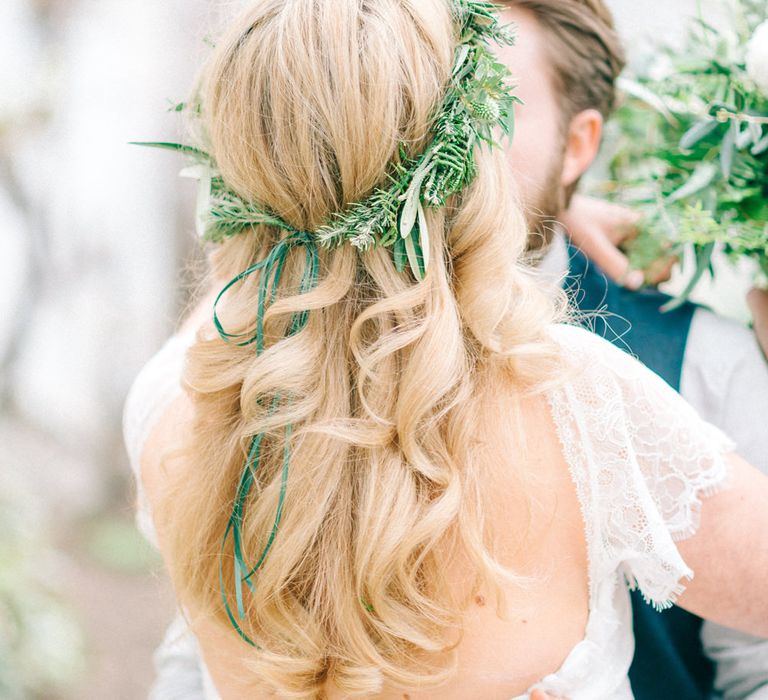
478	99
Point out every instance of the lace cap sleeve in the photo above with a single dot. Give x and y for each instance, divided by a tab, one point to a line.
648	460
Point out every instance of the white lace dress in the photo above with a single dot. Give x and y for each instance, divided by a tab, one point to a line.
640	458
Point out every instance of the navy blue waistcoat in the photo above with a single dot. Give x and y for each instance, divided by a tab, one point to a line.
669	662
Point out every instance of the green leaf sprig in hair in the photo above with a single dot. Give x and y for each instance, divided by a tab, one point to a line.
478	100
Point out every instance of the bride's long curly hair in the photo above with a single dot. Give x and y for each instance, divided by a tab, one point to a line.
305	103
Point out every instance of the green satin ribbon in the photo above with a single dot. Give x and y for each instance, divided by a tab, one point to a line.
272	269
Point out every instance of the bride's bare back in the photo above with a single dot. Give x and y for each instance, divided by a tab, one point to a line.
534	506
541	535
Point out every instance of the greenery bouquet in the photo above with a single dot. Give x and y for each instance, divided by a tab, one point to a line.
692	151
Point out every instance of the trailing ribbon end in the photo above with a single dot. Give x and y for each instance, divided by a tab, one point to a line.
271	269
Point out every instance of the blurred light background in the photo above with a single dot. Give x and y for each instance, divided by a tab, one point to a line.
97	244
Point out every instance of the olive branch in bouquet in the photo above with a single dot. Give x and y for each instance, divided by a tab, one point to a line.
693	145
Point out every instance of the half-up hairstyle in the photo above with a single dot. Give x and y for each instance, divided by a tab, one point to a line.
305	103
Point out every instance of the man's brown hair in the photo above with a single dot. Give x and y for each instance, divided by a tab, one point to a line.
584	50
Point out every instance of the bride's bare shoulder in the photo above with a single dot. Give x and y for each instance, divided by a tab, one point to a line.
162	451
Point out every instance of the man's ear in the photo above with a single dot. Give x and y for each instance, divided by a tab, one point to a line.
582	144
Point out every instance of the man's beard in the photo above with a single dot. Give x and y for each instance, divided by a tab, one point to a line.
542	214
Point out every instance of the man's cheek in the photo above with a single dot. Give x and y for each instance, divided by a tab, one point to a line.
538	140
529	170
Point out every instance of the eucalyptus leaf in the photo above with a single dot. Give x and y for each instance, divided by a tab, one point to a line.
701	178
204	177
179	147
644	94
703	264
744	138
728	149
399	254
699	131
760	147
510	123
415	259
409	213
423	236
705	25
413	199
755	131
461	57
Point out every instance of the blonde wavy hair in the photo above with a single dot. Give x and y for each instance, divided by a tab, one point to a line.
305	103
